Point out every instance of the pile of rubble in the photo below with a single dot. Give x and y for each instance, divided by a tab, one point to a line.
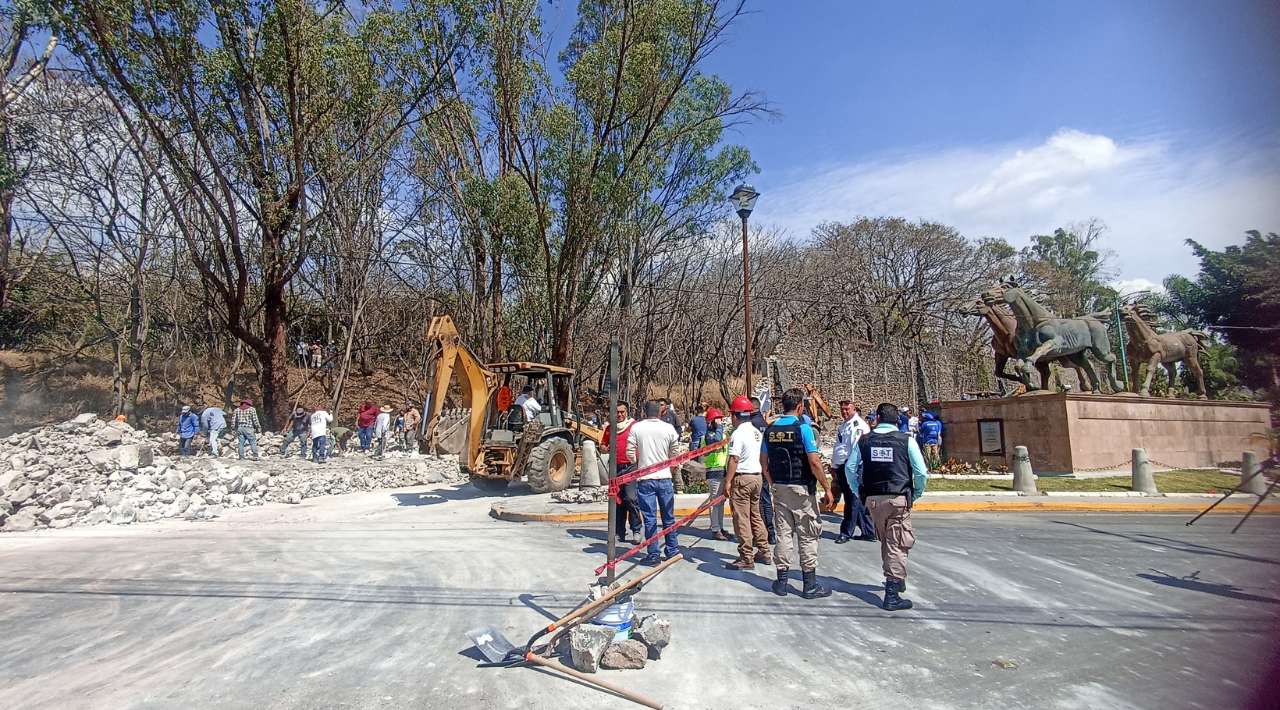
592	647
87	471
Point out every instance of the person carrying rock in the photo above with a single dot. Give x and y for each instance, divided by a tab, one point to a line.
188	427
298	427
213	420
245	421
891	475
319	430
793	469
744	482
381	429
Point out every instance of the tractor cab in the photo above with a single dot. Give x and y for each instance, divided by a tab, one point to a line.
505	420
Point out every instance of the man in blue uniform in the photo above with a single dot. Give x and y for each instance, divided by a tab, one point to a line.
890	474
793	470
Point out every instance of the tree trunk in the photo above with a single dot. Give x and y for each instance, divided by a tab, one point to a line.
138	327
274	375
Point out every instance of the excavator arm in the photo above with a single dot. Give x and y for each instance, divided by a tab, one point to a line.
450	356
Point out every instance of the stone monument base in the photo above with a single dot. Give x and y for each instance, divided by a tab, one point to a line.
1073	432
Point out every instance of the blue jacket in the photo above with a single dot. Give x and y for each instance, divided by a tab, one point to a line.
904	423
188	424
213	418
930	429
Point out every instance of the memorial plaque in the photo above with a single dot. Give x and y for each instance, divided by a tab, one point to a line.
991	437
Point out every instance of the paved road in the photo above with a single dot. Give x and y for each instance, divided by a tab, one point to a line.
362	601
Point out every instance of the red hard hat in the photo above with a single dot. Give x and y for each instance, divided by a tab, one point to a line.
741	405
713	414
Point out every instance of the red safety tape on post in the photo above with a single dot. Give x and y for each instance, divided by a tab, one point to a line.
616	484
661	533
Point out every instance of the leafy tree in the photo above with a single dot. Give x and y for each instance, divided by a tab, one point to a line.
1071	269
1238	292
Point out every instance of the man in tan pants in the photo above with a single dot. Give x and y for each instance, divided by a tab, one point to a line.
891	474
793	469
743	482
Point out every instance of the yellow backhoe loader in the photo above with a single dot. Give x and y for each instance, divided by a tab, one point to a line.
487	427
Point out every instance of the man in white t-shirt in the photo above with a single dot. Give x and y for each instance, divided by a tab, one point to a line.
743	481
652	441
528	404
320	420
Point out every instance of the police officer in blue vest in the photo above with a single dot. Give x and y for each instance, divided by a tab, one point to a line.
792	468
891	474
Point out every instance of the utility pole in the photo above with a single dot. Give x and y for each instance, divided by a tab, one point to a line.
611	382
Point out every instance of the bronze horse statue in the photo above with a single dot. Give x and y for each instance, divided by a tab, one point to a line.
1147	345
1004	343
1042	336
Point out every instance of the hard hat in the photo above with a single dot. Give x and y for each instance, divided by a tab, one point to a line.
713	414
741	405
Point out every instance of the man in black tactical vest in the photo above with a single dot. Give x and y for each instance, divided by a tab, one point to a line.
792	468
891	474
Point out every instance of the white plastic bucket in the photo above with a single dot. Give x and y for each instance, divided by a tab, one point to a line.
618	617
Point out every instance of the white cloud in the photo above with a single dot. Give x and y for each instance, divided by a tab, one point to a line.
1152	193
1126	287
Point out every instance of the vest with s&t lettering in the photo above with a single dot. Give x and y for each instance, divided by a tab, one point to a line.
788	461
886	466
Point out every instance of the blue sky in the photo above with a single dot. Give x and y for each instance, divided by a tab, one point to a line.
1010	118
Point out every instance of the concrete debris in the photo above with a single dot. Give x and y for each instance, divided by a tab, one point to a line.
625	655
587	643
654	632
85	471
599	494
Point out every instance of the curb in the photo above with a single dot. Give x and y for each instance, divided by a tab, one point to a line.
499	511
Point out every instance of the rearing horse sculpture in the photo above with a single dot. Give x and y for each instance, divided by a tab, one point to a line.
1004	342
1043	336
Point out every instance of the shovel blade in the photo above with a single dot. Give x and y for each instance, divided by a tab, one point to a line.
491	644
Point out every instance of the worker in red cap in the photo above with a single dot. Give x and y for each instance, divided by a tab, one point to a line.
744	481
713	433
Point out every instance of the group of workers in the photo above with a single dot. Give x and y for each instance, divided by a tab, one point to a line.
376	429
771	471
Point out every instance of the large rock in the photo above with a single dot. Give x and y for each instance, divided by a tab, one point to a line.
82	419
58	512
11	479
654	632
21	494
102	459
123	514
144	483
20	521
136	456
109	435
587	643
626	655
173	479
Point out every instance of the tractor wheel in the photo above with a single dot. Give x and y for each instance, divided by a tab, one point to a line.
551	465
491	485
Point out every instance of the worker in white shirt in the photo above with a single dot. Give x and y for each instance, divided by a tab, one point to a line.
854	511
528	403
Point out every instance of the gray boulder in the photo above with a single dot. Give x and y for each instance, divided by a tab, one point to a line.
136	456
22	494
587	643
627	655
123	514
21	521
109	435
654	632
173	479
102	459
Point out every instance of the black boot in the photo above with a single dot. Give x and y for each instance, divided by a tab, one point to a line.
780	584
813	590
893	602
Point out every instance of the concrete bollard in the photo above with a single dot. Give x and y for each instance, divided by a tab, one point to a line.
1143	480
1024	479
1257	485
589	476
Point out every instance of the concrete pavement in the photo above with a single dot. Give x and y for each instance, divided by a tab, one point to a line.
363	601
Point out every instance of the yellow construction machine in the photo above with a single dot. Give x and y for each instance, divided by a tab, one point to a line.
487	428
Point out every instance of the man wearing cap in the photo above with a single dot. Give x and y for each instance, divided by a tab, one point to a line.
792	467
319	430
744	481
890	471
245	421
188	427
381	426
213	420
854	511
298	427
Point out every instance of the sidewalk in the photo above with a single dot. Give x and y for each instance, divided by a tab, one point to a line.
540	508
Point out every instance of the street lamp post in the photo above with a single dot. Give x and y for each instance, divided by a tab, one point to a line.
744	198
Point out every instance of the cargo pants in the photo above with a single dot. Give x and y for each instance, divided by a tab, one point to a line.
748	524
795	515
892	519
